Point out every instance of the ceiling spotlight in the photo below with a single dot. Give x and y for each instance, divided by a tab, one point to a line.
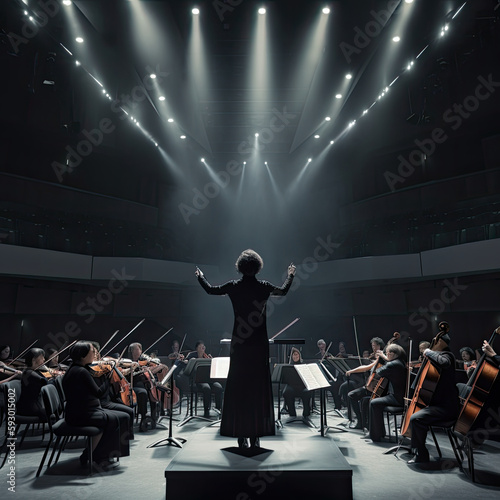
137	123
103	91
244	163
348	76
262	10
203	160
156	144
195	11
79	39
332	142
326	10
256	134
170	120
152	76
67	2
309	160
77	63
327	119
409	1
365	111
161	98
338	96
265	163
316	136
183	136
396	39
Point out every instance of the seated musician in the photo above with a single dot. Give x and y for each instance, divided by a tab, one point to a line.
83	408
207	388
468	362
444	403
360	398
32	380
290	392
335	384
54	362
142	383
394	371
110	399
5	354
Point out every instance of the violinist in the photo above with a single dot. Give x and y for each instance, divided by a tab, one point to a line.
34	377
7	372
290	392
205	388
394	371
444	404
54	364
109	399
360	398
5	354
83	408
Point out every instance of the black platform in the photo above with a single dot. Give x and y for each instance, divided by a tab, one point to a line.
297	465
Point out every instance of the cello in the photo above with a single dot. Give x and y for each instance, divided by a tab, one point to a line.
480	383
425	383
375	383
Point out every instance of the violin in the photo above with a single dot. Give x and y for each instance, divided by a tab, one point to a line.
49	373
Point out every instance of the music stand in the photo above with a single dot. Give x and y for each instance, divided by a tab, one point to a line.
169	441
191	371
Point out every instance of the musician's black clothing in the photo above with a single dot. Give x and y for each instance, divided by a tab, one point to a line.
30	401
207	388
248	409
444	405
83	408
291	392
395	373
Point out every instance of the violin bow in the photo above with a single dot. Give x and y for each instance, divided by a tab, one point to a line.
135	327
326	352
356	338
59	352
110	339
26	350
286	328
156	341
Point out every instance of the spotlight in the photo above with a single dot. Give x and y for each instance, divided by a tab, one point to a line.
79	39
203	160
137	123
244	163
365	111
265	163
332	142
338	96
152	76
326	10
67	2
327	119
183	136
309	160
103	91
262	10
161	98
156	144
409	1
170	120
396	39
77	63
348	76
316	136
256	134
195	11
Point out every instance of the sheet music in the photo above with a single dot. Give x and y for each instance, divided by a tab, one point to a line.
219	367
312	376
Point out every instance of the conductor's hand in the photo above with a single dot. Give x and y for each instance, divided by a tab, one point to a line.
198	273
291	270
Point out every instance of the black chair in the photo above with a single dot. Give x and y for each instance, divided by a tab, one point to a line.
394	412
447	427
61	429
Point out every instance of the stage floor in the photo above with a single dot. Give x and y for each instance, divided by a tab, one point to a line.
294	464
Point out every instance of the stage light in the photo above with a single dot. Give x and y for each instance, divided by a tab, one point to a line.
365	111
396	39
79	39
256	134
409	1
244	163
170	120
348	76
326	10
161	98
203	160
327	118
152	76
309	160
316	136
332	142
195	11
137	123
262	10
183	136
265	163
338	96
67	2
77	63
156	144
103	91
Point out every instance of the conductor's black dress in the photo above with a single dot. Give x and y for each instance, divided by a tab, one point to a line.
248	399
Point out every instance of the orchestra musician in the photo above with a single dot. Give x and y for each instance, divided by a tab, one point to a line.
54	362
5	354
394	371
290	392
7	372
248	403
334	384
206	388
32	380
444	404
468	360
360	398
83	408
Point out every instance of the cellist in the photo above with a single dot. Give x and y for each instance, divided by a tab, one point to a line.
444	404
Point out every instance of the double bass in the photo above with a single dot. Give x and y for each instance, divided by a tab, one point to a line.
425	383
480	383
